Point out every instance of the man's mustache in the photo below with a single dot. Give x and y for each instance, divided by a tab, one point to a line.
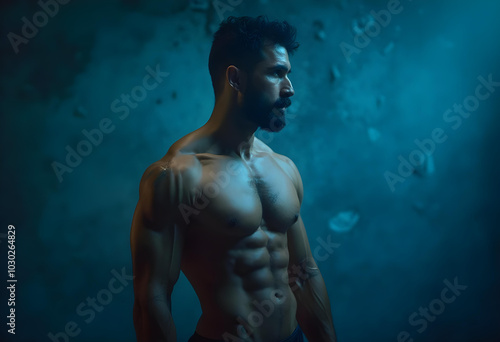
283	103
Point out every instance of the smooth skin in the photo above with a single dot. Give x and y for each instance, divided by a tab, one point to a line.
225	209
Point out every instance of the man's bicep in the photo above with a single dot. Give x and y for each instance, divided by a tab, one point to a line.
156	261
298	245
156	253
156	237
295	177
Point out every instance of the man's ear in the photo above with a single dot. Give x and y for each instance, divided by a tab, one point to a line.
236	78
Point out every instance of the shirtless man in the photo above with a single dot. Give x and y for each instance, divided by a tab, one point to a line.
225	209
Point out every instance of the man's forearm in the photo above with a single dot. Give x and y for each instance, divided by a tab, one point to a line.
313	308
154	323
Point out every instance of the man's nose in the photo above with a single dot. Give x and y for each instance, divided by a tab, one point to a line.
287	90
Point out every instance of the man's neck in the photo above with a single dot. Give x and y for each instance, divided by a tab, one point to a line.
231	131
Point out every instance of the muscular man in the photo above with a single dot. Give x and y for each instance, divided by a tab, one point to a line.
225	209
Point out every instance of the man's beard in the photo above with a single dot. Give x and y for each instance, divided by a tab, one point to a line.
267	117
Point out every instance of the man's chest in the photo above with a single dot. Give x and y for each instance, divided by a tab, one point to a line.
236	198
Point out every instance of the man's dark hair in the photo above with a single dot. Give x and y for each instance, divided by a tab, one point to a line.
239	42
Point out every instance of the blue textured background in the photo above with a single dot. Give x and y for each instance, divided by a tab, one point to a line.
347	129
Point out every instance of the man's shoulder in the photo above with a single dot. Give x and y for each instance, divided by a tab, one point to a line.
260	146
166	184
173	174
286	164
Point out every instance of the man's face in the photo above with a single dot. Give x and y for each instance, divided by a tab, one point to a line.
269	90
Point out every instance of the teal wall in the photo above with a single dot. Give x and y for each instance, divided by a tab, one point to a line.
373	93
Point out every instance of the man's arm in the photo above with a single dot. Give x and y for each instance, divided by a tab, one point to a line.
313	305
156	242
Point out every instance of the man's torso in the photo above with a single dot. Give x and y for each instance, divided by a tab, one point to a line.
235	252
